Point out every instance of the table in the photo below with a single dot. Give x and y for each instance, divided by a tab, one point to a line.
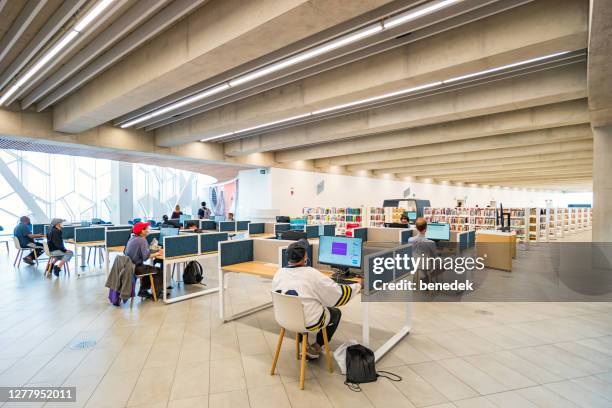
83	245
267	270
263	235
169	261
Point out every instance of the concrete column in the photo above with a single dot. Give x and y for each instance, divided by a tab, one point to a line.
602	184
122	192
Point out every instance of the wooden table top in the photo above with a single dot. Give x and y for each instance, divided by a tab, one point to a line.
264	269
90	243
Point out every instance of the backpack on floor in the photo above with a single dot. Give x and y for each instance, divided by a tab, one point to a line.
193	273
361	367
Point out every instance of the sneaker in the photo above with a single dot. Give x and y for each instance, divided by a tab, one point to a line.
56	270
28	260
313	351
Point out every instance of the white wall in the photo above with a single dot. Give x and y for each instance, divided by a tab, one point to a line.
288	191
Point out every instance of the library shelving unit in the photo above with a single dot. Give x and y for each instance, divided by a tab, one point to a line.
393	214
375	217
552	220
345	218
462	218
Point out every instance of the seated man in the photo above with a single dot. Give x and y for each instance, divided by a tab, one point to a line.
55	241
230	217
421	245
137	249
204	212
26	239
320	295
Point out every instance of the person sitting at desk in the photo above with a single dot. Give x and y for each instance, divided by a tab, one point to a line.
26	239
230	217
204	212
166	223
421	244
404	219
177	212
320	295
55	241
137	249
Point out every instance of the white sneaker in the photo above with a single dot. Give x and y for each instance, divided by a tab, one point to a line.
313	351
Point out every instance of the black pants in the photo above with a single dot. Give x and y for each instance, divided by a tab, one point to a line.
38	251
334	320
145	283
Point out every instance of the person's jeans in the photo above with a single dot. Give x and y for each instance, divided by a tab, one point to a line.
66	256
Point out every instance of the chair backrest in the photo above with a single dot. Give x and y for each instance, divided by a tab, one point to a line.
17	243
288	312
46	249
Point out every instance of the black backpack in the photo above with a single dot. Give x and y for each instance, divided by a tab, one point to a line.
361	367
193	273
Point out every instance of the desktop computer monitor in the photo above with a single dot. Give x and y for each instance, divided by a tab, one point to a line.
412	215
438	231
340	251
282	219
293	235
166	232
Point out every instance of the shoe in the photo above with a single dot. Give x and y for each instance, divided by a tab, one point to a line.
56	270
28	260
313	351
143	293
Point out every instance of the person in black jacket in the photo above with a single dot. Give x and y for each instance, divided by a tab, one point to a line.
55	241
177	212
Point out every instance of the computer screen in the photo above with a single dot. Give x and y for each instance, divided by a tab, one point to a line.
438	231
412	215
283	219
341	251
167	232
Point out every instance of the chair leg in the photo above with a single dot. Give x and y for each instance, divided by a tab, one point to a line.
17	257
297	346
88	255
153	291
303	363
330	365
279	343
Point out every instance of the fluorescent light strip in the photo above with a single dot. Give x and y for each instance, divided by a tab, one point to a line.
311	53
387	95
57	47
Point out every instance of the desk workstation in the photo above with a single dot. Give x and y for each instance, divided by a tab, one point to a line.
85	237
115	240
381	237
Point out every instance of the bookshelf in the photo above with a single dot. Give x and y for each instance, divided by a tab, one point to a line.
345	218
375	217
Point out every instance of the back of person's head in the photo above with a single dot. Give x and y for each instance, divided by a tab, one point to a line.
421	224
296	251
203	203
165	218
24	219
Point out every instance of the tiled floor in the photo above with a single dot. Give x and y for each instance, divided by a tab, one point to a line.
458	355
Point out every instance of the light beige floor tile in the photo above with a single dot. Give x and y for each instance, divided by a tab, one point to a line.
528	369
510	378
231	399
268	396
311	396
60	367
578	395
131	357
595	385
153	386
96	362
114	391
429	347
539	357
190	380
196	402
163	354
472	376
383	394
510	399
24	369
478	402
226	375
587	353
445	382
545	398
416	389
340	396
256	370
85	387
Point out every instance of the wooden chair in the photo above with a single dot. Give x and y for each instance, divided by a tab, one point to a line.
289	314
153	291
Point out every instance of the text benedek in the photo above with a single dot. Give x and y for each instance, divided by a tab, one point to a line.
412	286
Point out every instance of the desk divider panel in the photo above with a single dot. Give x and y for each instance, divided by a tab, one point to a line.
68	232
361	233
405	235
210	242
242	225
257	228
381	234
471	238
189	223
388	275
312	231
87	234
281	227
208	225
181	245
267	250
329	230
234	252
117	237
118	227
269	228
463	240
153	234
227	226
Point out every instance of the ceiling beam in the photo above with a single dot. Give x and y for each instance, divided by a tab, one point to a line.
28	13
496	180
494	174
536	137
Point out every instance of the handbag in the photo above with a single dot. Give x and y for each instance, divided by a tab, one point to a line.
361	367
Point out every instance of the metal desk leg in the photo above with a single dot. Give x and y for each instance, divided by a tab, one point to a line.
83	264
365	326
76	259
107	260
397	337
165	295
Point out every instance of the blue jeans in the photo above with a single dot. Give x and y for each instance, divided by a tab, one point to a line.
66	256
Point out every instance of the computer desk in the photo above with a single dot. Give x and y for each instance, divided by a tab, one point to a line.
83	245
262	235
181	260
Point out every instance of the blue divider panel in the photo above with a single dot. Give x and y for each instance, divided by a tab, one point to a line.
463	241
210	242
181	245
87	234
405	236
234	252
208	225
388	274
153	234
242	225
329	230
285	259
38	228
361	233
281	228
118	237
227	226
118	227
401	251
471	238
257	228
189	223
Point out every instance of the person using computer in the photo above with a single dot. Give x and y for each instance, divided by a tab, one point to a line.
423	246
137	249
320	295
204	212
26	239
230	217
177	212
55	241
404	219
